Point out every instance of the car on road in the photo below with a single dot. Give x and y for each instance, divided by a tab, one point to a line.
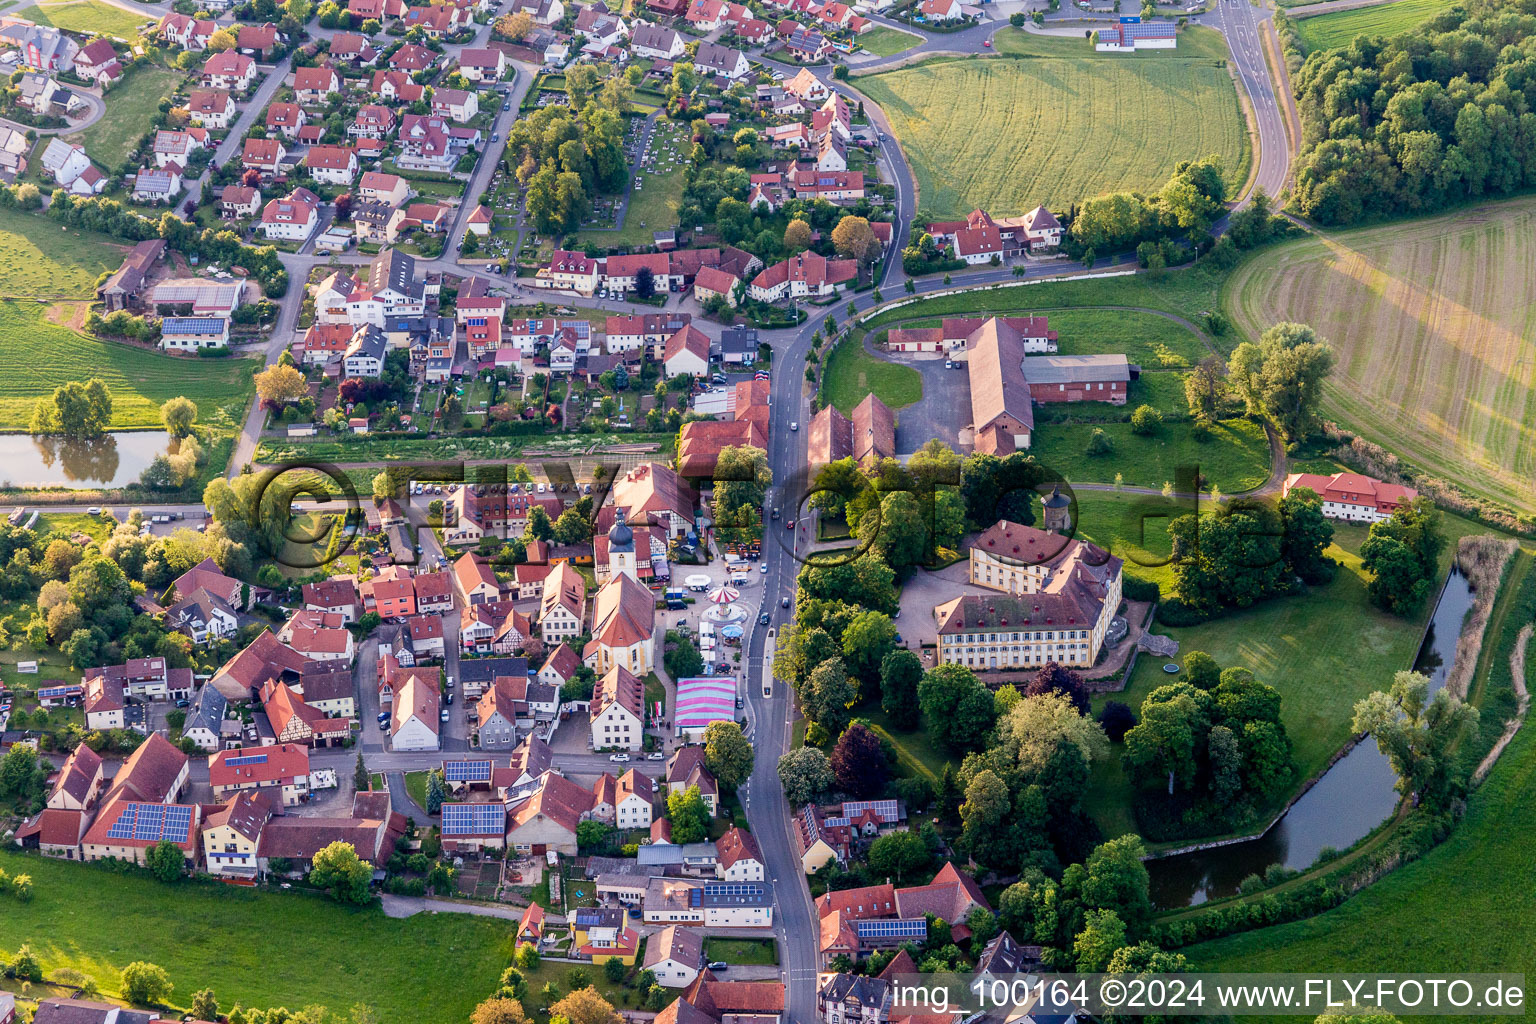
783	602
763	619
507	105
93	511
495	136
795	425
763	569
618	757
443	714
655	755
789	524
986	42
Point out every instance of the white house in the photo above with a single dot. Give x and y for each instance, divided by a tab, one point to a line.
714	59
293	217
482	64
364	355
655	42
190	333
617	714
633	800
414	716
332	165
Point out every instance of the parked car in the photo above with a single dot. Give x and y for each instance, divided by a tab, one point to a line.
618	757
719	965
656	755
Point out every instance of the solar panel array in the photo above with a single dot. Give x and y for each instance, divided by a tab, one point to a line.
473	819
152	823
886	809
192	325
55	692
245	759
892	928
734	889
466	771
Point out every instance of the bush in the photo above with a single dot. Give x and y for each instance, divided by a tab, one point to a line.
1146	421
1134	589
1117	719
1099	443
1174	612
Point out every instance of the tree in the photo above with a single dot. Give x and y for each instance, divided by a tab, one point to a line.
1054	678
1146	420
74	410
1117	880
361	780
1282	376
437	791
1175	720
859	762
279	385
1201	671
25	965
1416	734
957	707
498	1010
1307	536
1205	387
527	957
1052	745
987	804
689	816
1099	444
514	27
204	1005
900	672
727	753
585	1006
797	236
178	414
741	482
867	640
854	238
165	861
806	774
1116	719
1102	935
899	855
825	696
645	283
339	869
1403	554
145	983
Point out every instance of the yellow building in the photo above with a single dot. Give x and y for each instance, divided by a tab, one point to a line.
1059	597
601	933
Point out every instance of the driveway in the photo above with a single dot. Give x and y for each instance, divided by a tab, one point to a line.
943	411
926	589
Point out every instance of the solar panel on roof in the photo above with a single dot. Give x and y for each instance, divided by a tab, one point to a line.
473	819
191	325
152	823
237	762
54	692
467	771
886	928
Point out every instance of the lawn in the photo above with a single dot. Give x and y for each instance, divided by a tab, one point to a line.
88	17
883	42
1432	322
742	951
1467	905
416	787
852	373
653	199
135	101
1322	650
1193	42
77	920
140	379
1234	458
918	757
1008	134
358	448
1331	31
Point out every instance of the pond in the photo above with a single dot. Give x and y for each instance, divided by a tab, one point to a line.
1351	798
111	461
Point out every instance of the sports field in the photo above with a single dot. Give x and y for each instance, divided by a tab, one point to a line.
1327	31
135	101
1432	321
1057	125
90	17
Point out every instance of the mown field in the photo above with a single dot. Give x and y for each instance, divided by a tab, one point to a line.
1327	31
76	919
1432	321
1234	458
135	101
1147	339
91	17
851	374
1060	124
1323	650
43	260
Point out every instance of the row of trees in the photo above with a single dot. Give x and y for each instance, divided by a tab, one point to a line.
74	410
564	156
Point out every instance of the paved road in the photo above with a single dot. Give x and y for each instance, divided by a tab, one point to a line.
1242	24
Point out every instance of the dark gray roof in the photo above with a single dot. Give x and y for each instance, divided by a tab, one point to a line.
1074	369
868	991
207	710
485	670
393	269
738	339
